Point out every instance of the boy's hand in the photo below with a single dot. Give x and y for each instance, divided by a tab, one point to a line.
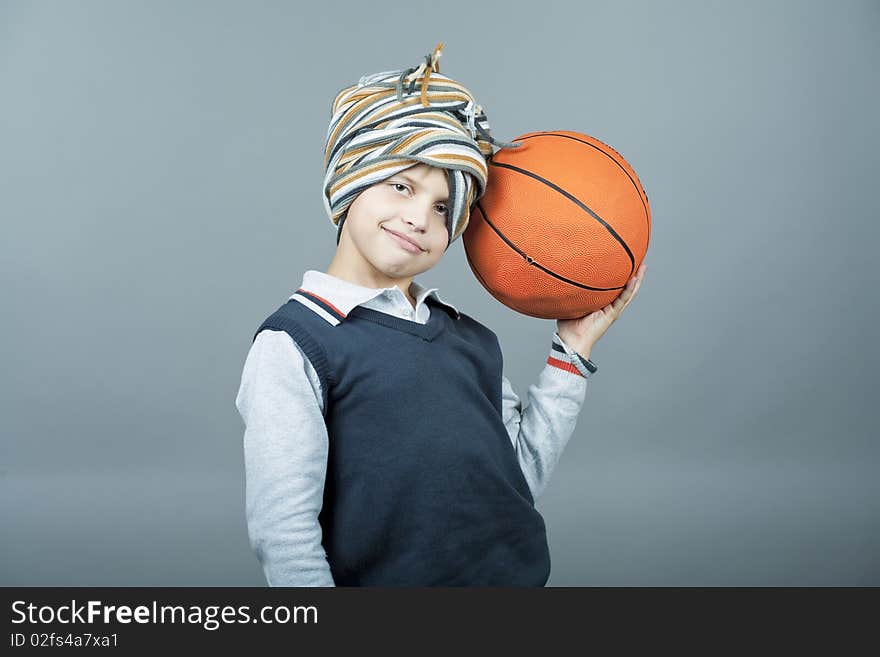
581	333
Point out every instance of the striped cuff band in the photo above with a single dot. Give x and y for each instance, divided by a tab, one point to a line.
565	358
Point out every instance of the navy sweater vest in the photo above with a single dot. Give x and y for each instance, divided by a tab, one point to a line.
423	486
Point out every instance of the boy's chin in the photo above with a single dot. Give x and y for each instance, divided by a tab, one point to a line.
397	272
399	269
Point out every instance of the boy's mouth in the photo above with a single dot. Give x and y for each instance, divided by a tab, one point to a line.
406	243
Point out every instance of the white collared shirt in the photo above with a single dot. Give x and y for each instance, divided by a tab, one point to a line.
286	441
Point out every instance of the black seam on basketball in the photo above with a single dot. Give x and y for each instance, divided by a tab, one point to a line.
637	185
632	260
482	280
534	263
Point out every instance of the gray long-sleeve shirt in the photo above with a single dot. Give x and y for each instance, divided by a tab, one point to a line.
286	441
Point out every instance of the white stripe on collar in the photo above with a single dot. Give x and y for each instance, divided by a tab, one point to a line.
336	297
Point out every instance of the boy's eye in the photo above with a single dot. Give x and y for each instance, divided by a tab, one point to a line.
441	205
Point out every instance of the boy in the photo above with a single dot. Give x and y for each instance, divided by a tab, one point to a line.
383	444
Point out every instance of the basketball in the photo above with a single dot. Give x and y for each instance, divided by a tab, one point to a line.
564	223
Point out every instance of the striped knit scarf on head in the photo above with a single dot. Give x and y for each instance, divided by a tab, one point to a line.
393	120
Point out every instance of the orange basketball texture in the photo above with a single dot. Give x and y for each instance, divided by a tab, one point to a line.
563	225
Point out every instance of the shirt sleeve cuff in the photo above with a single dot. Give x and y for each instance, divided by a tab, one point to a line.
565	358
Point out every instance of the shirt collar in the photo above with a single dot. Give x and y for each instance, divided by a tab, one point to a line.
338	296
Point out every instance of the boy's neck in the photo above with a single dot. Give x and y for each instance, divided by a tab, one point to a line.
366	281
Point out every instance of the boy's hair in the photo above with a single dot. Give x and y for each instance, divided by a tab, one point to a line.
385	124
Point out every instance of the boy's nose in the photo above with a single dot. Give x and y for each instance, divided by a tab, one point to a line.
419	224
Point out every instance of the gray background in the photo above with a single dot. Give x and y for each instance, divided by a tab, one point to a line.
160	175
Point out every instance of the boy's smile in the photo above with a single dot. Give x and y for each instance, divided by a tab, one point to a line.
408	243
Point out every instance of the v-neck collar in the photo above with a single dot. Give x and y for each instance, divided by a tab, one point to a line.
428	331
336	296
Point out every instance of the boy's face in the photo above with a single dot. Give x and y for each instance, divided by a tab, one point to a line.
412	203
